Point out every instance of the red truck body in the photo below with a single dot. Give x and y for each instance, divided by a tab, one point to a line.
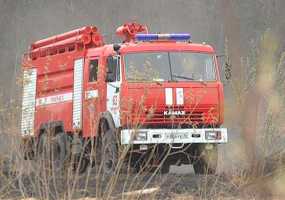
59	88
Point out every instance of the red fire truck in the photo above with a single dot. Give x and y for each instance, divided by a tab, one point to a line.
155	95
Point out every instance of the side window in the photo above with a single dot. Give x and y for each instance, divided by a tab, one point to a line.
93	70
113	69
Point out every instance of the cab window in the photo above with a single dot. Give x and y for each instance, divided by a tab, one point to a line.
113	69
93	70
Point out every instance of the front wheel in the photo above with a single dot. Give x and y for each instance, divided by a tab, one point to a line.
109	157
205	159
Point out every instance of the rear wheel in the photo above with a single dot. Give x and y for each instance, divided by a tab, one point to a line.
52	150
205	159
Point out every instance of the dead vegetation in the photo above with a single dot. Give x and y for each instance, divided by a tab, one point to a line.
23	179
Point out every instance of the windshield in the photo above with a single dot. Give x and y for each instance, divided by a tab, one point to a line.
170	66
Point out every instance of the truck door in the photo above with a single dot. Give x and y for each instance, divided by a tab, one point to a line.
91	97
113	79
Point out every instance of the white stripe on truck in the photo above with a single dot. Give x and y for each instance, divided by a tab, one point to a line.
28	101
77	93
179	96
54	99
168	96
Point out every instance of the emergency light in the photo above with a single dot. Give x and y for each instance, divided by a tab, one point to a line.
173	36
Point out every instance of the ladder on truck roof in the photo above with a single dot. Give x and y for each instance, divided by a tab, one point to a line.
77	39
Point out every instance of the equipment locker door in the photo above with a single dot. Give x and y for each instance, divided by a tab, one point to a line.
91	96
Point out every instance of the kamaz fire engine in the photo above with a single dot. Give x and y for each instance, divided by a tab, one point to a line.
155	95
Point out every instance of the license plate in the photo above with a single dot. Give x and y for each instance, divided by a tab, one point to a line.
177	136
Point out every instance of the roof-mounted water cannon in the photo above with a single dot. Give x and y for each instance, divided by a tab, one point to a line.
129	30
116	48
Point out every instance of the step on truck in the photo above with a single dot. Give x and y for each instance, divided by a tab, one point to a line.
156	98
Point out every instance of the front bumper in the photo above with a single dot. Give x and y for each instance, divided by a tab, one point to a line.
173	136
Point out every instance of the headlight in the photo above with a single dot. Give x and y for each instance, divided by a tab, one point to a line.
213	135
140	136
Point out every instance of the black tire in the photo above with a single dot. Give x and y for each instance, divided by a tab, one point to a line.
53	150
205	159
109	150
137	166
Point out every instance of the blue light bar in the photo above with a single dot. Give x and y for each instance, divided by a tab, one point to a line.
172	36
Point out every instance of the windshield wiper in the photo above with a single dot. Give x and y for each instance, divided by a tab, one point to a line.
157	81
138	79
183	77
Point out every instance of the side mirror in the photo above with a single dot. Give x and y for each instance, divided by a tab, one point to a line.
116	48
